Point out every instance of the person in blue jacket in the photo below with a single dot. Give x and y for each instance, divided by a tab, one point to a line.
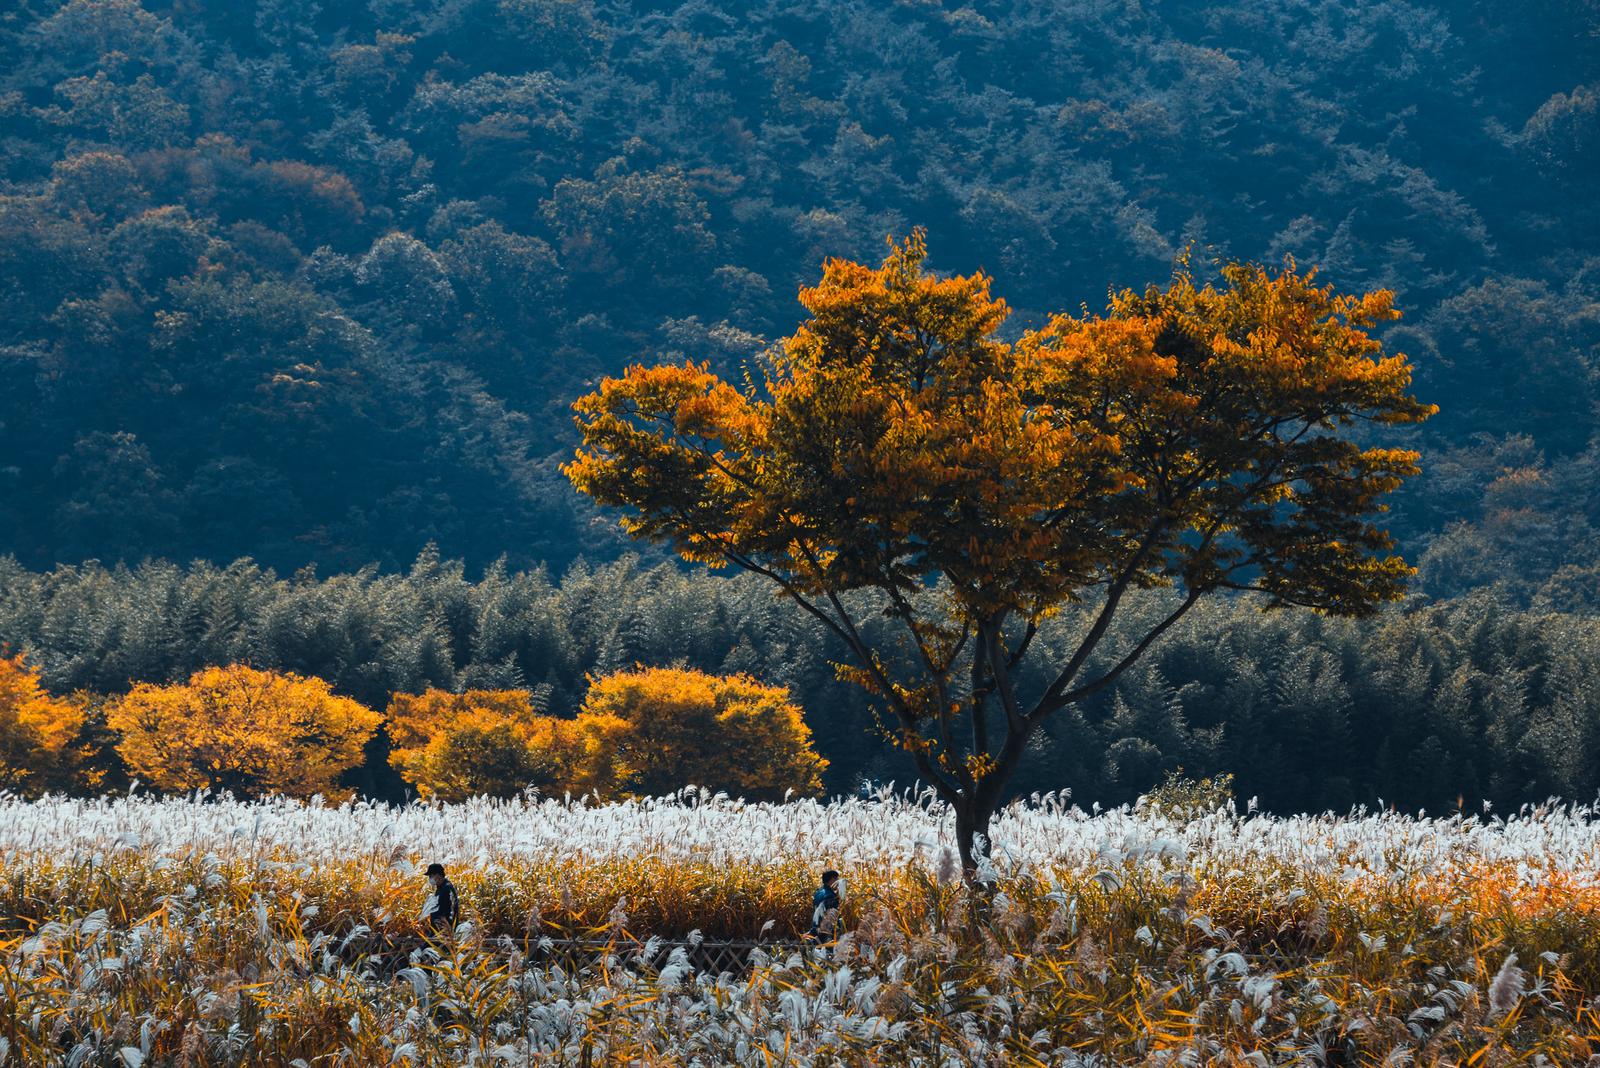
825	907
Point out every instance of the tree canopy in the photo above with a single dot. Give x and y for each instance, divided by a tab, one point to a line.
1190	436
643	732
453	746
239	729
38	732
651	731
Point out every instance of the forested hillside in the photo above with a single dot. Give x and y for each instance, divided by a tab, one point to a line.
316	282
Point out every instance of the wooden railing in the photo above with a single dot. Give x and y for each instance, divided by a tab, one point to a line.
703	956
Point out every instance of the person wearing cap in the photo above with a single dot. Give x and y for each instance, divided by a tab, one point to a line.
439	913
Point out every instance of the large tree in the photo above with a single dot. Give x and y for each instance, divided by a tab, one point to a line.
896	452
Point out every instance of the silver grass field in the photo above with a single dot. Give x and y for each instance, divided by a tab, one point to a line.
211	931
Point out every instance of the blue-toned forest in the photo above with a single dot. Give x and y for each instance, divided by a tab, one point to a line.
313	286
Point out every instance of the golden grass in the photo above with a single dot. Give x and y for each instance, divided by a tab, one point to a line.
197	962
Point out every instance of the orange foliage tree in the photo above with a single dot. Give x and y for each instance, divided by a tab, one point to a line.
239	729
452	746
1190	436
644	732
654	730
37	732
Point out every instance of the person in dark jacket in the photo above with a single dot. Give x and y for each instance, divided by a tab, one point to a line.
825	907
439	914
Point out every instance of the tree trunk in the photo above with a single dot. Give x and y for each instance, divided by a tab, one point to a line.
972	822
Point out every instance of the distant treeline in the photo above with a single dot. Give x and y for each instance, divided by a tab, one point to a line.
1427	705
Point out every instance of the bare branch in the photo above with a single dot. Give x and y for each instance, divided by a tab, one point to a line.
1127	661
1022	647
1097	630
1002	677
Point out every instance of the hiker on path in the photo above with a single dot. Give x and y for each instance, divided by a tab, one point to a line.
439	914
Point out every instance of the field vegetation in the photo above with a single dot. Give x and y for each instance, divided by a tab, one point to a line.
221	932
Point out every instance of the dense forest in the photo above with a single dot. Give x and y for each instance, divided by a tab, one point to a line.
1432	707
316	282
311	286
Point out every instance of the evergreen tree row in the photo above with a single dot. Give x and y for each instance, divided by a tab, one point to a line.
1427	705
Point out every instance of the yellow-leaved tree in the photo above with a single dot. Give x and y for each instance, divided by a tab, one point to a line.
37	732
238	729
897	447
645	732
653	731
452	746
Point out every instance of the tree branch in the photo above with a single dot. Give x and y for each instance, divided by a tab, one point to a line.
1002	676
980	697
908	720
1126	662
1048	700
935	673
1022	647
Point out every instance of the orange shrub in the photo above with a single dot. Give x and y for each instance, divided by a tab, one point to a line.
239	729
452	746
37	732
652	731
